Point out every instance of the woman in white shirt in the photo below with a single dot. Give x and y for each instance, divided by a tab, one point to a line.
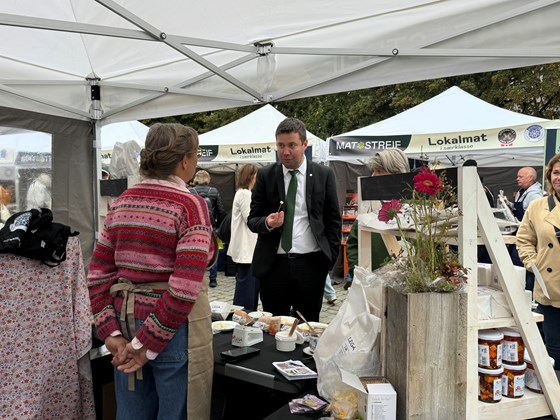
243	241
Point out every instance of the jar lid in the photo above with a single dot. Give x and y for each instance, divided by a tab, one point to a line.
510	332
528	358
491	371
492	334
514	367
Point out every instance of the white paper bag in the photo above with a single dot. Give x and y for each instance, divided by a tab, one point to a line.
351	341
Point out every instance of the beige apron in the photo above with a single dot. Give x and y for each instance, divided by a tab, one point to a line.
201	358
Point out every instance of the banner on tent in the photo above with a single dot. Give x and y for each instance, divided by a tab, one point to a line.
238	153
519	136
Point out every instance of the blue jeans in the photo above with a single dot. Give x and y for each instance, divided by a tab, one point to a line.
162	393
330	292
551	331
214	271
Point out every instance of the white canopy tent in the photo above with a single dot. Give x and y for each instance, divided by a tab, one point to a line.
251	139
71	66
450	128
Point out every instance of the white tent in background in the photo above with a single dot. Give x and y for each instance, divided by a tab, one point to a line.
251	139
450	128
121	133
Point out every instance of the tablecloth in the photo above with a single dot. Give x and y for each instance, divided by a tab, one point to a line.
45	338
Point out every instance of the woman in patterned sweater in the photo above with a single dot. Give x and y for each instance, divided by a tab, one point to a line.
146	274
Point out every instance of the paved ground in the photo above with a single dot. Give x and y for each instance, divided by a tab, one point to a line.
226	286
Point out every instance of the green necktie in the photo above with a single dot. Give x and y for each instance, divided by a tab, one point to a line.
289	213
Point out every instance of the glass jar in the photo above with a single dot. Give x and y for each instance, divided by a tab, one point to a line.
490	384
512	347
490	348
531	380
513	380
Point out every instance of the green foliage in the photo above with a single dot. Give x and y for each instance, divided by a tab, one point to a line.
528	90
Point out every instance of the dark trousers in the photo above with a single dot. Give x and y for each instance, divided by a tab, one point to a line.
295	283
246	288
551	331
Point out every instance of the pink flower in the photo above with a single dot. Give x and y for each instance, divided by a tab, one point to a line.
389	210
427	182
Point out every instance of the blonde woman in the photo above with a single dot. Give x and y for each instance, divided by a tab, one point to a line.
386	162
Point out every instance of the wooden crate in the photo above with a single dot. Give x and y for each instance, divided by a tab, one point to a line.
425	358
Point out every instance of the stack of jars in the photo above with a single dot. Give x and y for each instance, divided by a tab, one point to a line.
490	369
513	349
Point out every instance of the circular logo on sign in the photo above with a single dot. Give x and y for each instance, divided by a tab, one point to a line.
534	133
507	136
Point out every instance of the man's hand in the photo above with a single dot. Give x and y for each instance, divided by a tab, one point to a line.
275	220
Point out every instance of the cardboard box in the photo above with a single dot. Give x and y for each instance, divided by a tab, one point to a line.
377	399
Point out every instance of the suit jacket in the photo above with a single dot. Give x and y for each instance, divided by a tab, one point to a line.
322	209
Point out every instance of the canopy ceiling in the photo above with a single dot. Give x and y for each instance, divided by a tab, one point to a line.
131	59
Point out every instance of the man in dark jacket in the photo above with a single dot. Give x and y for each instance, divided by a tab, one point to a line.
215	208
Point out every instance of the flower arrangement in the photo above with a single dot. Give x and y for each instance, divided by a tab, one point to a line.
426	264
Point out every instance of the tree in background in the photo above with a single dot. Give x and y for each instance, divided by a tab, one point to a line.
529	90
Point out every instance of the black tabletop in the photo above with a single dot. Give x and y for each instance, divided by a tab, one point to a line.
258	369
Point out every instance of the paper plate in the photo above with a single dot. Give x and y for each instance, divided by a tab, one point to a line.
223	325
307	350
258	314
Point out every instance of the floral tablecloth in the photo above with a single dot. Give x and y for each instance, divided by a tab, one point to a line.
45	338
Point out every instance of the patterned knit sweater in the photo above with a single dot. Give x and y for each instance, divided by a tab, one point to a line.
156	231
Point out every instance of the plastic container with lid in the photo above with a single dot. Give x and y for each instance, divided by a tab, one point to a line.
490	348
513	347
490	384
513	380
531	380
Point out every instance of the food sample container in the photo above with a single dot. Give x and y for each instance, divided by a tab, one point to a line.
490	348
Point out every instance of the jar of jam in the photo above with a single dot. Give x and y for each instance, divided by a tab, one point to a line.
512	347
490	384
531	380
513	380
490	348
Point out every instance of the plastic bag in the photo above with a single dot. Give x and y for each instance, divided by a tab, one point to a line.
351	341
125	160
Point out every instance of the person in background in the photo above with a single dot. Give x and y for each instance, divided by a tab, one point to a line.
39	193
243	241
152	254
386	162
215	207
330	292
489	195
538	242
4	200
529	189
295	211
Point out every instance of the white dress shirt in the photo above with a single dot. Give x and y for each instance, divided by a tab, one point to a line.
303	240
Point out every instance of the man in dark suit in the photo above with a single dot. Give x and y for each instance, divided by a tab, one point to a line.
294	278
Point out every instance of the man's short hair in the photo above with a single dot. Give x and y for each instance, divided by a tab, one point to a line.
292	125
